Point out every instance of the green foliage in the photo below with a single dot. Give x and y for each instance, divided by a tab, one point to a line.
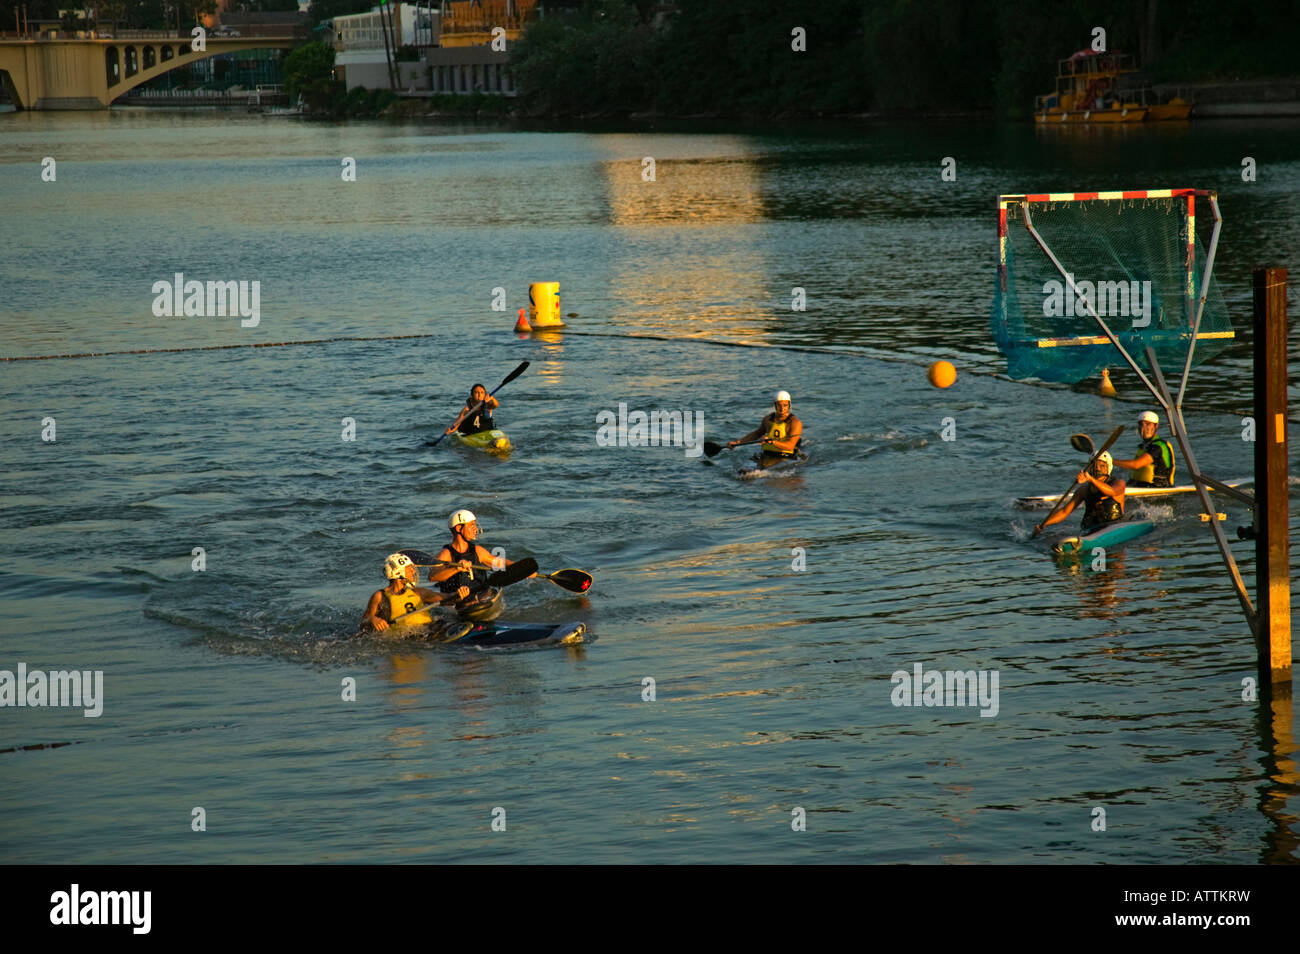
594	62
308	71
719	57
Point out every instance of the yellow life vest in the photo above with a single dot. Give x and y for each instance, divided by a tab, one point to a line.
777	432
398	604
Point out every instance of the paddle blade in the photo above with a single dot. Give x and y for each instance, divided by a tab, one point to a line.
512	375
575	581
713	450
420	557
1082	442
515	572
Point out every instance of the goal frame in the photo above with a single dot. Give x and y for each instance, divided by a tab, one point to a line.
1193	305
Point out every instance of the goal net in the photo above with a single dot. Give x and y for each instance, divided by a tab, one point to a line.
1073	266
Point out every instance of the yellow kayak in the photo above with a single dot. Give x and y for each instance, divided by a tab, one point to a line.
494	442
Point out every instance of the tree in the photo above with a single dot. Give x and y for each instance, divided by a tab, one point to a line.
309	72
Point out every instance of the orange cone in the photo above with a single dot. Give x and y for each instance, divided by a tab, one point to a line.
522	324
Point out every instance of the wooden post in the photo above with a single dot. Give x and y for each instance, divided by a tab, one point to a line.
1272	540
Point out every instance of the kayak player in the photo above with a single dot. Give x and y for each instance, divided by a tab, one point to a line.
1154	464
1102	496
473	418
464	552
780	431
402	596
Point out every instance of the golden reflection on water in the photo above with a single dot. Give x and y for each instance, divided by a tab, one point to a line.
1281	842
692	296
685	190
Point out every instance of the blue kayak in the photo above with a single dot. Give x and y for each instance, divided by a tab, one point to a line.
1108	536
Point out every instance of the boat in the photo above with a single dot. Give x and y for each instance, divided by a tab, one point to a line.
1086	91
1110	535
485	634
1049	500
515	634
1162	106
494	441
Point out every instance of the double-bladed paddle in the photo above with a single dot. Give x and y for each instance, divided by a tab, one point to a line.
509	377
1081	442
575	581
713	449
1066	496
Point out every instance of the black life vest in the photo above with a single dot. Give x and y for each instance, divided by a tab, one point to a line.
481	421
1098	509
476	583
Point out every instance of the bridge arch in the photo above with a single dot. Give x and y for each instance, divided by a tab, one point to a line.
151	65
112	68
91	73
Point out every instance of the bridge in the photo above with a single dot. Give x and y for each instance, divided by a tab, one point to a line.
91	73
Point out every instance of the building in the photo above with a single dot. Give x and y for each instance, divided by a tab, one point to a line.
361	55
452	46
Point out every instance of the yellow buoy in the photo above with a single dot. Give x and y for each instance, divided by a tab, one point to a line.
1107	389
942	374
544	304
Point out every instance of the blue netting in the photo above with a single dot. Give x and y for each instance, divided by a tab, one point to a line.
1127	257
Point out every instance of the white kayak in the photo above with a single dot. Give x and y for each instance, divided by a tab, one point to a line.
1049	500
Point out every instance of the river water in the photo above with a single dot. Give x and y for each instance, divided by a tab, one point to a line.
769	613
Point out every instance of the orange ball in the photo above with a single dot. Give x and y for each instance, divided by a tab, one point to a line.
942	374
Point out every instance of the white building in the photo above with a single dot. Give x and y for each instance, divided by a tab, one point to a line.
360	55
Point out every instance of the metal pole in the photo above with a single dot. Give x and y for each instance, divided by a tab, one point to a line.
1205	281
1179	429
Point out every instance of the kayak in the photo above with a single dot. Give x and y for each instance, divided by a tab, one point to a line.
769	465
484	609
516	634
493	441
1048	500
1108	536
466	633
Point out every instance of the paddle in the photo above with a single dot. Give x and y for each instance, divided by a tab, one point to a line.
1081	442
575	581
1066	496
712	449
509	377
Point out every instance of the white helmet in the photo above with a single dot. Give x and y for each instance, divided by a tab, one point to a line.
395	566
781	396
459	518
1105	458
1150	416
